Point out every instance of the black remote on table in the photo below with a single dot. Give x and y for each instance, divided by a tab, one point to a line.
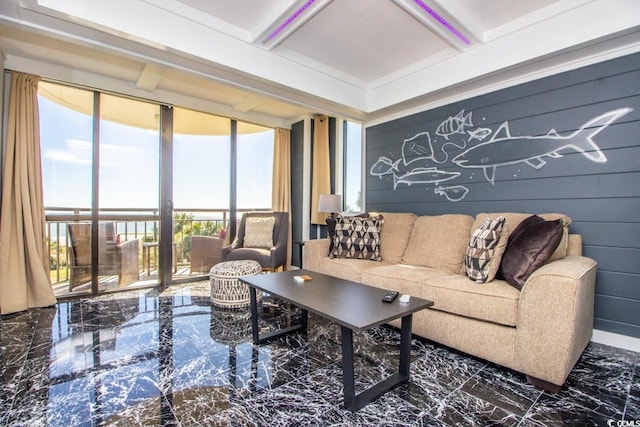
390	296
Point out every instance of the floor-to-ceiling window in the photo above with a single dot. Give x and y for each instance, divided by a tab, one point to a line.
129	187
66	120
255	167
352	167
201	187
100	173
105	159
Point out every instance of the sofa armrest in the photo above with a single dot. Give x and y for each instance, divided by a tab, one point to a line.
313	251
555	318
574	246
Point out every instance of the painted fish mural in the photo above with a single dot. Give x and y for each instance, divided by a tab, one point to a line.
418	148
479	133
423	176
452	194
498	151
454	124
384	166
417	164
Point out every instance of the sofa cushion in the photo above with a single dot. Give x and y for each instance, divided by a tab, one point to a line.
530	246
439	242
486	245
346	268
357	237
495	301
394	238
513	219
406	279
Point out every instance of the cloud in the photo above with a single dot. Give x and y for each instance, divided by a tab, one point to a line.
79	151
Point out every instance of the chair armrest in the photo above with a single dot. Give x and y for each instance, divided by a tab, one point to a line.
555	318
278	255
225	250
129	269
313	251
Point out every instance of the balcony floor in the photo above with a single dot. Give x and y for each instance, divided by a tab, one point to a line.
107	284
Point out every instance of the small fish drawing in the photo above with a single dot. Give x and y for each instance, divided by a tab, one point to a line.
454	124
479	134
423	176
498	151
453	194
417	148
384	166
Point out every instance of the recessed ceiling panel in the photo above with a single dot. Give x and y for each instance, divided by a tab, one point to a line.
486	15
366	39
249	15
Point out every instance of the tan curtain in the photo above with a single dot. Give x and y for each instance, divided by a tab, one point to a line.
321	180
281	192
24	266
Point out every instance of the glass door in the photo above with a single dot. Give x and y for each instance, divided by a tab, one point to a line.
201	190
67	169
101	176
128	192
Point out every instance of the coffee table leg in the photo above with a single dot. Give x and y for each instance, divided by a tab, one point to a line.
405	346
348	380
254	315
353	402
302	326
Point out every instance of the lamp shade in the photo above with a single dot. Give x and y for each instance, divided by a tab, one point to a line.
330	203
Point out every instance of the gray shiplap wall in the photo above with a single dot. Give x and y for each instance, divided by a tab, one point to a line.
602	198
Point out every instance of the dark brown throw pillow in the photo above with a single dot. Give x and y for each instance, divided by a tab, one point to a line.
530	245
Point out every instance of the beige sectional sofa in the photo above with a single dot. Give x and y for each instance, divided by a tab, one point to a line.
539	331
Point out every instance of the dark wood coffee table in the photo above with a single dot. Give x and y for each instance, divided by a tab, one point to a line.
354	306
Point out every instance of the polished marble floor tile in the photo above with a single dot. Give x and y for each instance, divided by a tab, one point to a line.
167	357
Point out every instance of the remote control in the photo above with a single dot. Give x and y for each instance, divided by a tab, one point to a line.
390	296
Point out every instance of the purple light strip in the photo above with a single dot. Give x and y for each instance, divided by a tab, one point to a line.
442	21
290	19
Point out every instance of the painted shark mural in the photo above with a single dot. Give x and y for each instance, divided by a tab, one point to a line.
421	163
497	151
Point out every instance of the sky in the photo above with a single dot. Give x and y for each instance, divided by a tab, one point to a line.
129	165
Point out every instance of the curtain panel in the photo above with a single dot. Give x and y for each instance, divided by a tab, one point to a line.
321	179
281	193
24	265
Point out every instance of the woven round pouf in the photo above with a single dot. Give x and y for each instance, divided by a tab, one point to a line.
226	290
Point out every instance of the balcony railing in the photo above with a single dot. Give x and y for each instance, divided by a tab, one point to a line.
130	224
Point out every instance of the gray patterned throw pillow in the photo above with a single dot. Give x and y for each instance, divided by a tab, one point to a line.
357	238
485	250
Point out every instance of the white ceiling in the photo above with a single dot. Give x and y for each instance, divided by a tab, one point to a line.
361	60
